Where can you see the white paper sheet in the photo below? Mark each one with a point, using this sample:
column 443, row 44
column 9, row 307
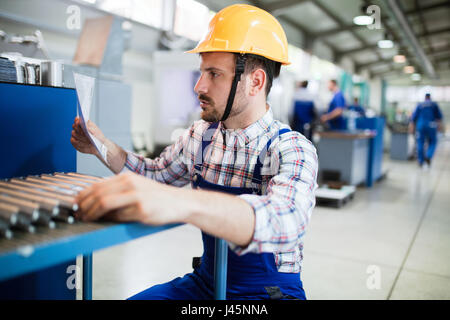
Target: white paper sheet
column 85, row 90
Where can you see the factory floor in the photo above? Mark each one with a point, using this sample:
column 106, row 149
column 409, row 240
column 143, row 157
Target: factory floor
column 390, row 242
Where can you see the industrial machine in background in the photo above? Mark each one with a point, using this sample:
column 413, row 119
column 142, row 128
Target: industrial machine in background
column 99, row 54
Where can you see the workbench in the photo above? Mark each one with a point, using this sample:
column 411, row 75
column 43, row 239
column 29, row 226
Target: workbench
column 345, row 152
column 27, row 253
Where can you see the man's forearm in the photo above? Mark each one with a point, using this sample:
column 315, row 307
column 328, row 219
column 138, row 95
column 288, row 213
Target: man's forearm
column 116, row 156
column 221, row 215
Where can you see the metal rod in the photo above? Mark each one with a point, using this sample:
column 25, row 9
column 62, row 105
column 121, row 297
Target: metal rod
column 64, row 201
column 76, row 178
column 47, row 204
column 43, row 187
column 8, row 213
column 59, row 184
column 84, row 176
column 87, row 276
column 26, row 207
column 220, row 269
column 69, row 182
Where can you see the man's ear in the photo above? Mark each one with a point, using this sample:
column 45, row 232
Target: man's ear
column 257, row 81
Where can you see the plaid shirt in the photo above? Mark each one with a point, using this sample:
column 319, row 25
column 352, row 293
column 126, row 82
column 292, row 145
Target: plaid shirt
column 289, row 174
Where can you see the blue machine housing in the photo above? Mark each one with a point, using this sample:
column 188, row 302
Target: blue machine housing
column 35, row 129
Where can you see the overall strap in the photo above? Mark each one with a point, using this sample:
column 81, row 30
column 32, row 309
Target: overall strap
column 206, row 140
column 259, row 162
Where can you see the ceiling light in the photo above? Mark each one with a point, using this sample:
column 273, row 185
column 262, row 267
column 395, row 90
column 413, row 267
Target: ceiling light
column 362, row 20
column 416, row 77
column 408, row 69
column 385, row 44
column 399, row 58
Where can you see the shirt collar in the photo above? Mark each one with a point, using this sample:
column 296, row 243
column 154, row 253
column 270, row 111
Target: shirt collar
column 256, row 129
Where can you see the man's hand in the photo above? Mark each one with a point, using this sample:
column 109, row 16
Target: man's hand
column 131, row 197
column 116, row 155
column 324, row 118
column 411, row 128
column 79, row 139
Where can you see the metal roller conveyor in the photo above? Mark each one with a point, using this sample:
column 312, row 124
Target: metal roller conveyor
column 29, row 211
column 60, row 183
column 73, row 178
column 49, row 205
column 4, row 230
column 66, row 202
column 70, row 182
column 84, row 176
column 9, row 214
column 43, row 187
column 8, row 218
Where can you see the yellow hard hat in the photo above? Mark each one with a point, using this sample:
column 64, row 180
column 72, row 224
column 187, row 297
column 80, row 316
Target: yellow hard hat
column 244, row 29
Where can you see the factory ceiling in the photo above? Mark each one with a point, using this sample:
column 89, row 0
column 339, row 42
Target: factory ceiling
column 419, row 29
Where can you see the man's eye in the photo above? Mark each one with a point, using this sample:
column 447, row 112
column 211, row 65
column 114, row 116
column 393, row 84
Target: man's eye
column 214, row 75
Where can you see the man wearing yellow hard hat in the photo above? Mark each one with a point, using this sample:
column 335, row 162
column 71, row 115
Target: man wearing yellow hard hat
column 253, row 179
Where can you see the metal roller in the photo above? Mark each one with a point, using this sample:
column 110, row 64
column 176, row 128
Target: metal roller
column 47, row 204
column 72, row 178
column 44, row 187
column 62, row 184
column 66, row 202
column 85, row 176
column 9, row 214
column 29, row 212
column 70, row 182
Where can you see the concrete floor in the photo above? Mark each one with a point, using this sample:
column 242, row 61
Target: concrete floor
column 391, row 242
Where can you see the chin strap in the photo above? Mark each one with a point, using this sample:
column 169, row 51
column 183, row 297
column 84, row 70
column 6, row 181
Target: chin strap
column 240, row 67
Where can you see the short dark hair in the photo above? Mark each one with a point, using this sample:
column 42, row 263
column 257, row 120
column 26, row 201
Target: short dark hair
column 270, row 67
column 304, row 84
column 334, row 81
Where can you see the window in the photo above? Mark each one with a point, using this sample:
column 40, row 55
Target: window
column 192, row 19
column 149, row 12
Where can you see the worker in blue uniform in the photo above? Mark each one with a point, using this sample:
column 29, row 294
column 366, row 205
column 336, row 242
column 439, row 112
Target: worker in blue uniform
column 356, row 107
column 253, row 179
column 425, row 123
column 334, row 117
column 303, row 112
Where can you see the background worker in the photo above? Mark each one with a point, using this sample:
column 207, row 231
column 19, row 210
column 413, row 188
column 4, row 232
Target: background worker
column 303, row 112
column 334, row 117
column 425, row 123
column 253, row 178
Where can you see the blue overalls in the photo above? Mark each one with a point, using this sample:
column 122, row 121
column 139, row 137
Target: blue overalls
column 425, row 117
column 250, row 276
column 303, row 117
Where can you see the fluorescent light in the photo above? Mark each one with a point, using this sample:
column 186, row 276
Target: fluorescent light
column 362, row 20
column 408, row 69
column 415, row 77
column 399, row 58
column 385, row 44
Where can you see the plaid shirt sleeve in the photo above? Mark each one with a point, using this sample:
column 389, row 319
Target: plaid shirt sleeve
column 170, row 167
column 283, row 212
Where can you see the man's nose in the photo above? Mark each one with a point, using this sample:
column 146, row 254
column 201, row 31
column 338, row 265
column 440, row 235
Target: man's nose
column 201, row 86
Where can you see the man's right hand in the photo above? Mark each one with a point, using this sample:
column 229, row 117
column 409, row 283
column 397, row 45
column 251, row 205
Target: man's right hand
column 79, row 139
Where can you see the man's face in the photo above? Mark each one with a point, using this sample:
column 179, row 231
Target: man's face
column 331, row 85
column 214, row 84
